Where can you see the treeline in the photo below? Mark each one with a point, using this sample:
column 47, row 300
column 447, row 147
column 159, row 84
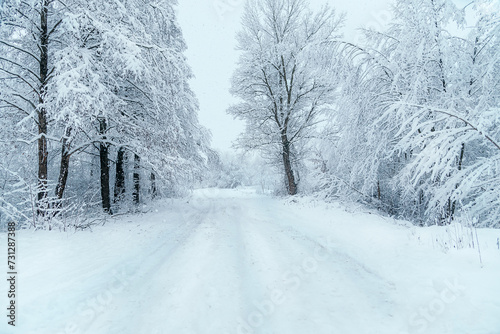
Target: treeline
column 96, row 108
column 407, row 121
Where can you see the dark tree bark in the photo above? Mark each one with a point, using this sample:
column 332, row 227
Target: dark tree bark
column 290, row 178
column 137, row 179
column 42, row 112
column 153, row 185
column 460, row 162
column 64, row 167
column 120, row 176
column 104, row 164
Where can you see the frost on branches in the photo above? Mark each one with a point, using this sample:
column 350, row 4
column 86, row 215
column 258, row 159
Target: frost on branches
column 284, row 94
column 96, row 97
column 417, row 132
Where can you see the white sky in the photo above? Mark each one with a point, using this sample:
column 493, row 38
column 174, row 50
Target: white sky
column 209, row 28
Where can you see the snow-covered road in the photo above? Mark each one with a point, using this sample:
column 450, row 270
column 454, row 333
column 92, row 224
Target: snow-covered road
column 232, row 261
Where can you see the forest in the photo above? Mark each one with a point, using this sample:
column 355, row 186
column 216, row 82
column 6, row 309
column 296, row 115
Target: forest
column 98, row 117
column 361, row 196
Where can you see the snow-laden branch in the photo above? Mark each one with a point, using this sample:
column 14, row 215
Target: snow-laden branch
column 448, row 113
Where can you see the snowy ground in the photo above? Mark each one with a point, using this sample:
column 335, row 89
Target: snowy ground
column 233, row 261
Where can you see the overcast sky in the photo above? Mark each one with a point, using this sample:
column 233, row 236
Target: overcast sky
column 209, row 28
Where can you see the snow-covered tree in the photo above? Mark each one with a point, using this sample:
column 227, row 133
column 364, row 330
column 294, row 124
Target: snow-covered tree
column 134, row 59
column 421, row 110
column 29, row 35
column 116, row 83
column 283, row 93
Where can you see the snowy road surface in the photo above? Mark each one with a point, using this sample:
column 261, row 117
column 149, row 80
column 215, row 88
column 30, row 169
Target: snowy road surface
column 232, row 261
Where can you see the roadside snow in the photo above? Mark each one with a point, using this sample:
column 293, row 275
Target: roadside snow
column 233, row 261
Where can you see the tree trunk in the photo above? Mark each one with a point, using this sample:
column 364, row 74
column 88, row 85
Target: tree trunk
column 137, row 179
column 104, row 163
column 290, row 178
column 120, row 176
column 379, row 193
column 42, row 156
column 64, row 167
column 42, row 112
column 460, row 162
column 153, row 185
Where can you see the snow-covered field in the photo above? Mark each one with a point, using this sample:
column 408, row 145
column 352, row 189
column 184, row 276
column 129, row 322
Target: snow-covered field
column 234, row 261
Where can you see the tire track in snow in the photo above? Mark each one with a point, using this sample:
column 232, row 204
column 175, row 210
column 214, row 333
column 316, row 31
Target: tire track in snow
column 295, row 271
column 138, row 272
column 235, row 267
column 192, row 290
column 89, row 291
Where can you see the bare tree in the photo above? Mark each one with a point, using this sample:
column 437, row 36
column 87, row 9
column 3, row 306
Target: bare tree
column 282, row 78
